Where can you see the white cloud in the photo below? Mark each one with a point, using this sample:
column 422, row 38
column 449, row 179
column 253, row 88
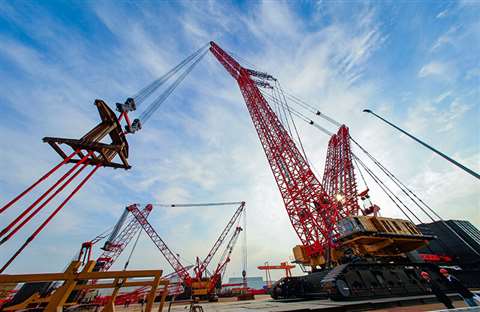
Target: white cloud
column 435, row 68
column 442, row 14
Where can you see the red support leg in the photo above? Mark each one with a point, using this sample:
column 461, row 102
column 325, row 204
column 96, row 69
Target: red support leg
column 69, row 172
column 26, row 220
column 42, row 226
column 13, row 201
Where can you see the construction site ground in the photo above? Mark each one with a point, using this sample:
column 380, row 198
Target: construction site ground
column 265, row 303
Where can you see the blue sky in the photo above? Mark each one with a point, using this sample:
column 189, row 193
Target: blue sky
column 414, row 62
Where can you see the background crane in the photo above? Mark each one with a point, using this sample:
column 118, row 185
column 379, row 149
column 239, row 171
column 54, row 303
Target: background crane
column 198, row 284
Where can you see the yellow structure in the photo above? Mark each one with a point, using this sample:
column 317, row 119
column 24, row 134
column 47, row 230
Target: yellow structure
column 71, row 278
column 368, row 236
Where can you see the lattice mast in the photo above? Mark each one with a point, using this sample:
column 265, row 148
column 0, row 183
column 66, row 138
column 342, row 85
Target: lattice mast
column 114, row 248
column 339, row 176
column 202, row 266
column 224, row 259
column 172, row 259
column 311, row 210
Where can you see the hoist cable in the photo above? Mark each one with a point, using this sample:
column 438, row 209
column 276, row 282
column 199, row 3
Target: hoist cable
column 159, row 100
column 102, row 235
column 282, row 110
column 400, row 185
column 276, row 109
column 152, row 87
column 313, row 109
column 386, row 190
column 236, row 56
column 196, row 204
column 361, row 173
column 293, row 121
column 301, row 116
column 244, row 247
column 131, row 252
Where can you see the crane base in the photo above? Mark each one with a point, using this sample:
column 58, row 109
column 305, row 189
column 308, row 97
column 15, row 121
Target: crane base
column 357, row 281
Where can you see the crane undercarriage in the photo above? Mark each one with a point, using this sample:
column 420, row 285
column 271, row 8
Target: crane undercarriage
column 371, row 259
column 356, row 281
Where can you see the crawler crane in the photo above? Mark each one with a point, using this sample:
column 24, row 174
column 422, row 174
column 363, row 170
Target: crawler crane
column 352, row 253
column 198, row 285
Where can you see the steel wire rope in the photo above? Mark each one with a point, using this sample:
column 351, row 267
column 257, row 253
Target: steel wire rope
column 378, row 181
column 390, row 175
column 386, row 190
column 361, row 174
column 395, row 180
column 153, row 86
column 293, row 122
column 313, row 109
column 195, row 204
column 305, row 119
column 160, row 99
column 236, row 56
column 244, row 247
column 131, row 252
column 282, row 109
column 276, row 108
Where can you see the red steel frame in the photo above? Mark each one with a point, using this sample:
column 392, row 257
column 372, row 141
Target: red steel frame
column 162, row 246
column 312, row 212
column 339, row 176
column 109, row 256
column 222, row 264
column 10, row 230
column 202, row 266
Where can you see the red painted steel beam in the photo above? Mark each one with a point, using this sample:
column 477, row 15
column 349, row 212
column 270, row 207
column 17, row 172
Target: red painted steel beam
column 50, row 217
column 45, row 176
column 26, row 220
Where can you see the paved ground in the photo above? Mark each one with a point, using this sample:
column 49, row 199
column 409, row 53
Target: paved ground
column 264, row 303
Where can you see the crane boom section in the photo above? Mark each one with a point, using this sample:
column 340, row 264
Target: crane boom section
column 311, row 212
column 222, row 264
column 162, row 246
column 115, row 247
column 200, row 269
column 339, row 175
